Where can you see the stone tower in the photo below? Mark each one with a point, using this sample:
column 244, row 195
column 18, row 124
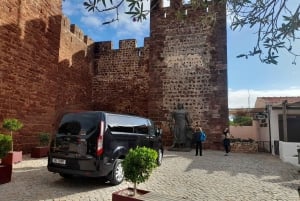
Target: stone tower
column 188, row 65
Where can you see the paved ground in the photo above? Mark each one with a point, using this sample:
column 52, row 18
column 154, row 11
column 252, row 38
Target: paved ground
column 183, row 175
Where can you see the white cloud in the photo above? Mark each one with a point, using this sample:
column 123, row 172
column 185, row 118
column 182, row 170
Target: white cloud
column 127, row 28
column 72, row 8
column 91, row 21
column 243, row 98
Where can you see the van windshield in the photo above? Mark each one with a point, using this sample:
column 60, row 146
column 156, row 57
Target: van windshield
column 78, row 123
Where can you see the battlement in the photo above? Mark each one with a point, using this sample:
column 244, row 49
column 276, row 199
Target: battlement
column 127, row 44
column 66, row 24
column 175, row 4
column 77, row 31
column 169, row 9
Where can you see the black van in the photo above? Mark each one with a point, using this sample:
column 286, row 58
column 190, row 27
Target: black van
column 93, row 143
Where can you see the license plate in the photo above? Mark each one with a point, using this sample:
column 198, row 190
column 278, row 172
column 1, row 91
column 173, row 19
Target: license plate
column 59, row 161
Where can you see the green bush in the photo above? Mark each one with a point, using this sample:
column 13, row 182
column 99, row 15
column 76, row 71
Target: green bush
column 5, row 144
column 241, row 121
column 139, row 164
column 12, row 124
column 44, row 139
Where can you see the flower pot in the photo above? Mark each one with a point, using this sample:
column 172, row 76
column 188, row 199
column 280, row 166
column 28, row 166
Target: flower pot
column 12, row 157
column 127, row 195
column 39, row 152
column 5, row 173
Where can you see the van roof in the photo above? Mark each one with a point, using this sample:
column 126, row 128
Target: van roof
column 104, row 112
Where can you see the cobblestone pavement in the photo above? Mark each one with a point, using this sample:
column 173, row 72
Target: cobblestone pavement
column 210, row 177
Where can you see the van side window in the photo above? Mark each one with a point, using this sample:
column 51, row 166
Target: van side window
column 126, row 124
column 142, row 129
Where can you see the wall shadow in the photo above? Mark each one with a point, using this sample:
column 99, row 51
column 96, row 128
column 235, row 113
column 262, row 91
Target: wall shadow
column 264, row 167
column 34, row 86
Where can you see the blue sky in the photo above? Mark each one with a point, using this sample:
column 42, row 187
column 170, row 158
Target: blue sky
column 247, row 78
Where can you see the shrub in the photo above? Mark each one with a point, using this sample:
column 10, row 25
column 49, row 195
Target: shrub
column 139, row 164
column 12, row 125
column 44, row 139
column 5, row 144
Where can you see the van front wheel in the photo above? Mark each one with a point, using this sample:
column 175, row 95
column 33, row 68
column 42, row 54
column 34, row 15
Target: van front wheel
column 117, row 174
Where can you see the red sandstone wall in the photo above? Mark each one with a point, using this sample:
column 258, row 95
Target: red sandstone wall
column 188, row 65
column 74, row 70
column 121, row 78
column 47, row 68
column 34, row 87
column 29, row 46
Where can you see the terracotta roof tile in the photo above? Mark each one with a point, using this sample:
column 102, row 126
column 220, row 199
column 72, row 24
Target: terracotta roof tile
column 261, row 102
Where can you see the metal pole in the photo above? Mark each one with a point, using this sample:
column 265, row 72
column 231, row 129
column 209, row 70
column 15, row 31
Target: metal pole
column 268, row 107
column 284, row 119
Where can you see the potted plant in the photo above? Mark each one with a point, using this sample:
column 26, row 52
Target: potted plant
column 137, row 166
column 43, row 148
column 5, row 166
column 12, row 124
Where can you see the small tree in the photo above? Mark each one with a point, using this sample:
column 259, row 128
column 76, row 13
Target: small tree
column 139, row 164
column 5, row 145
column 12, row 125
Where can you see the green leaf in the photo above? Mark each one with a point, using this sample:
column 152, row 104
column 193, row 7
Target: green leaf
column 241, row 55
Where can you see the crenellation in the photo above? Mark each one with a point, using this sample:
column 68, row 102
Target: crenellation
column 66, row 22
column 88, row 40
column 184, row 11
column 127, row 44
column 77, row 31
column 175, row 4
column 146, row 42
column 103, row 46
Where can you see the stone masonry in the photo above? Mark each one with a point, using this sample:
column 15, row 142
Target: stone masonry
column 188, row 65
column 48, row 67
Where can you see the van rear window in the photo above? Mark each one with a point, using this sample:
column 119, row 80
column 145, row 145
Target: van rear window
column 75, row 123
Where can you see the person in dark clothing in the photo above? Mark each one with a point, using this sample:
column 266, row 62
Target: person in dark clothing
column 200, row 136
column 226, row 141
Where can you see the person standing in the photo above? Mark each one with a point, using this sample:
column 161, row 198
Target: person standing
column 200, row 137
column 226, row 141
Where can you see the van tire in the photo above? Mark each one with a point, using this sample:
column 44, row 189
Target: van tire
column 117, row 175
column 159, row 157
column 66, row 176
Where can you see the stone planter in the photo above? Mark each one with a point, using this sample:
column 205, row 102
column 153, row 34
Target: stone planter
column 13, row 157
column 39, row 152
column 6, row 168
column 5, row 173
column 126, row 195
column 244, row 147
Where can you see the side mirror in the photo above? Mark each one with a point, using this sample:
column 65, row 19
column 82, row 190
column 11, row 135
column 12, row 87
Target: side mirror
column 158, row 132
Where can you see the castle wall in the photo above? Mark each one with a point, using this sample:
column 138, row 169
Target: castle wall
column 34, row 86
column 49, row 67
column 121, row 78
column 74, row 73
column 188, row 65
column 29, row 47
